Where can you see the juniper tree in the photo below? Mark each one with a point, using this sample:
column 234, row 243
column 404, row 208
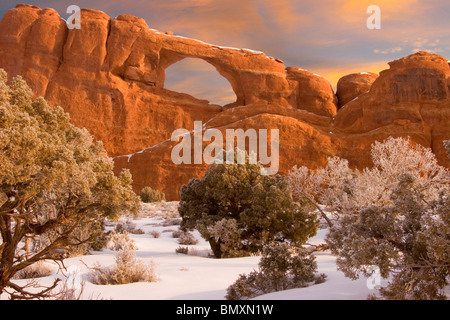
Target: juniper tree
column 409, row 240
column 238, row 210
column 394, row 215
column 54, row 180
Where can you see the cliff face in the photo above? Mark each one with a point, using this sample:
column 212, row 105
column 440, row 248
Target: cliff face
column 109, row 75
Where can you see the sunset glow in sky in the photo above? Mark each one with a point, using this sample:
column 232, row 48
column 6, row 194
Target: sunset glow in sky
column 325, row 37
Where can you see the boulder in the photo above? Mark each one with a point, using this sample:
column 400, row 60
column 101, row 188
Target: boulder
column 353, row 85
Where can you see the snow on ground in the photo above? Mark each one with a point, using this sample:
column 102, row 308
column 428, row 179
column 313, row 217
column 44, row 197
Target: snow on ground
column 196, row 276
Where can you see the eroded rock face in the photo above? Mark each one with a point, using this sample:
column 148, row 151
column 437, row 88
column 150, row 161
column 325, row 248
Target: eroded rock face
column 109, row 76
column 313, row 92
column 351, row 86
column 411, row 98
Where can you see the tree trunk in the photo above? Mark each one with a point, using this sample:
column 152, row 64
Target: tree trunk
column 215, row 247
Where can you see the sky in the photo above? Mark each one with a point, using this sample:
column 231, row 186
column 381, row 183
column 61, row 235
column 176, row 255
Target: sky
column 327, row 37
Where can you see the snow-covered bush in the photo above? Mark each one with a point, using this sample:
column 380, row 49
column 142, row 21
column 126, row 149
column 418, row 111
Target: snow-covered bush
column 127, row 269
column 347, row 190
column 120, row 241
column 281, row 267
column 171, row 222
column 187, row 238
column 155, row 233
column 182, row 250
column 36, row 270
column 394, row 215
column 408, row 240
column 177, row 233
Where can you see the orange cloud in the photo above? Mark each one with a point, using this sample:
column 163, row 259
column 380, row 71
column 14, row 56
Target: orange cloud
column 355, row 10
column 333, row 74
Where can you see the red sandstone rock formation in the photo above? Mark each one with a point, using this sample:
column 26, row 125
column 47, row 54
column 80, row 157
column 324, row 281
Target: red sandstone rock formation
column 109, row 76
column 351, row 86
column 313, row 93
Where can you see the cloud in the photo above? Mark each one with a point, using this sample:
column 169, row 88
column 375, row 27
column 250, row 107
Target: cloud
column 333, row 74
column 390, row 50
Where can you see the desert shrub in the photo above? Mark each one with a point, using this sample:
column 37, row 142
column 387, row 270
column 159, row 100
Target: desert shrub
column 37, row 270
column 74, row 291
column 346, row 190
column 182, row 250
column 120, row 241
column 177, row 233
column 155, row 233
column 187, row 238
column 171, row 222
column 127, row 269
column 125, row 227
column 129, row 227
column 137, row 231
column 281, row 267
column 149, row 194
column 394, row 215
column 261, row 206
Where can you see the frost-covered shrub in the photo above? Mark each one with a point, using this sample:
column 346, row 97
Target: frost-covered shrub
column 171, row 222
column 346, row 190
column 155, row 233
column 395, row 216
column 408, row 240
column 177, row 233
column 281, row 267
column 187, row 238
column 149, row 194
column 182, row 250
column 36, row 270
column 127, row 269
column 129, row 226
column 100, row 241
column 120, row 241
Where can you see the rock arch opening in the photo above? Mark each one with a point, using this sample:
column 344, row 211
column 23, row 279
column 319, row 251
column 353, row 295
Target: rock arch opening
column 199, row 79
